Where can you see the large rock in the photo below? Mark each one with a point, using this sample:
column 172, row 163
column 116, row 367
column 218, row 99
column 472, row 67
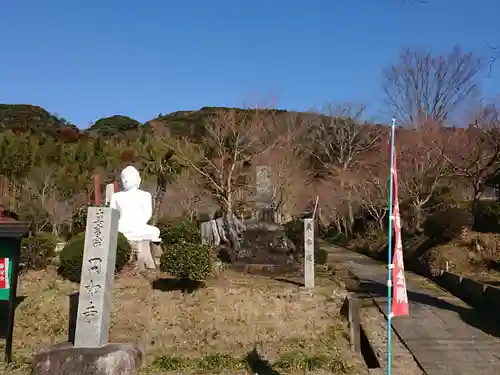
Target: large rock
column 110, row 359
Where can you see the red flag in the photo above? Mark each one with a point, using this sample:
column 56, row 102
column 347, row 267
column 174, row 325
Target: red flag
column 399, row 296
column 4, row 273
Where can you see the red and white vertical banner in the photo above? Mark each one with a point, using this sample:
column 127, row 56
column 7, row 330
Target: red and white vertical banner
column 399, row 294
column 4, row 273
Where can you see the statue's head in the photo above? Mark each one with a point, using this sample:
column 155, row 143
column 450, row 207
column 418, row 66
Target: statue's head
column 131, row 178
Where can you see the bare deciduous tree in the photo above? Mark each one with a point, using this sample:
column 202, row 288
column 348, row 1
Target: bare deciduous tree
column 426, row 87
column 231, row 141
column 185, row 196
column 333, row 207
column 475, row 151
column 371, row 191
column 339, row 143
column 289, row 174
column 44, row 202
column 421, row 167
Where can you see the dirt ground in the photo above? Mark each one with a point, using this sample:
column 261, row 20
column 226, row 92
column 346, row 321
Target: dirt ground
column 232, row 324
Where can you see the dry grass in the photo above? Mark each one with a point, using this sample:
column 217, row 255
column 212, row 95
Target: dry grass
column 473, row 254
column 212, row 329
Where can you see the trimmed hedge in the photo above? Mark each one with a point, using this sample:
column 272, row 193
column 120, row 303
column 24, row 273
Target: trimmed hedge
column 71, row 256
column 174, row 231
column 446, row 225
column 188, row 261
column 37, row 251
column 487, row 217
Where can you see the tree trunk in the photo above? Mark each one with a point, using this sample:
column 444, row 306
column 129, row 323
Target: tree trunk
column 351, row 214
column 350, row 218
column 161, row 188
column 337, row 224
column 475, row 201
column 381, row 223
column 345, row 226
column 418, row 217
column 228, row 203
column 55, row 231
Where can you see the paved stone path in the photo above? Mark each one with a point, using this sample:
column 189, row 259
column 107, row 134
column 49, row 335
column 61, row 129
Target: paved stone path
column 445, row 335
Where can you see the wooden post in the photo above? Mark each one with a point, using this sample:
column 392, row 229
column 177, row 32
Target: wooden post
column 97, row 190
column 351, row 311
column 117, row 188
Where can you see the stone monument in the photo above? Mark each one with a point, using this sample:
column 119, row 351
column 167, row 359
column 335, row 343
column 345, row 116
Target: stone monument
column 264, row 193
column 136, row 208
column 309, row 253
column 98, row 268
column 92, row 354
column 264, row 247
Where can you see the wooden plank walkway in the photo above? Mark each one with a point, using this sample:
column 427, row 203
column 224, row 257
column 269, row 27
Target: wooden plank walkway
column 445, row 335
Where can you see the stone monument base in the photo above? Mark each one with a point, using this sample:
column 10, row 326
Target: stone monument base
column 144, row 258
column 110, row 359
column 265, row 250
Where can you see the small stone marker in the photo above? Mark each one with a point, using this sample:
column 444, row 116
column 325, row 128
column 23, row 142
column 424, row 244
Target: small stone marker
column 207, row 232
column 98, row 268
column 309, row 253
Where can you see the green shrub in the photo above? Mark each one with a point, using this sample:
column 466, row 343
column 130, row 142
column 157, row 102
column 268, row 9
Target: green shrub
column 123, row 253
column 339, row 239
column 37, row 251
column 71, row 256
column 191, row 261
column 174, row 231
column 487, row 217
column 320, row 255
column 372, row 243
column 446, row 225
column 294, row 231
column 79, row 220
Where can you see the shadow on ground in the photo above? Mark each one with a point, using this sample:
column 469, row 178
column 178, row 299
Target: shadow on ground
column 4, row 310
column 283, row 280
column 478, row 319
column 258, row 365
column 183, row 285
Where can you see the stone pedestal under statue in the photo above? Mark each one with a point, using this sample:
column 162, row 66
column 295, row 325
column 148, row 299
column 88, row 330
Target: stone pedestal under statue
column 145, row 258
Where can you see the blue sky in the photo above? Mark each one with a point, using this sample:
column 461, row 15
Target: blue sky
column 89, row 59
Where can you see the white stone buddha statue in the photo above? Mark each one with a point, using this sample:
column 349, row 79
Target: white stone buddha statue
column 135, row 207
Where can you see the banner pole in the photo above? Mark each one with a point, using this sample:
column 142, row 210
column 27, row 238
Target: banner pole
column 389, row 248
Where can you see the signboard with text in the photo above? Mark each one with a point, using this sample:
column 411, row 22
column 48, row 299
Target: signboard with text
column 11, row 233
column 5, row 275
